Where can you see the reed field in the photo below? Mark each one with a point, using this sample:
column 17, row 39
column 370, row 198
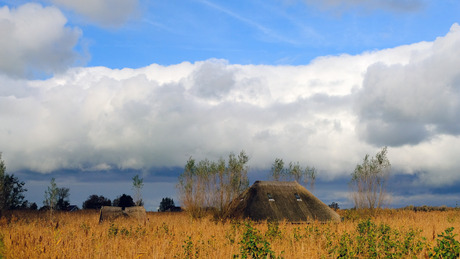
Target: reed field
column 383, row 234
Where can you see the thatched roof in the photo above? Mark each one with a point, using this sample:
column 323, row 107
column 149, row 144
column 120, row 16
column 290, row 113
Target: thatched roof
column 110, row 213
column 280, row 201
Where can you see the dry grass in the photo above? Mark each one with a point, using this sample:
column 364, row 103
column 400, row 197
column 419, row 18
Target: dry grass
column 176, row 235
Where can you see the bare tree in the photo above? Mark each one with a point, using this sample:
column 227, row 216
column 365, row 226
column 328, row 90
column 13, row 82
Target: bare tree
column 310, row 177
column 369, row 181
column 186, row 184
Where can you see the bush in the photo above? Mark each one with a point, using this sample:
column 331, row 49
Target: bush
column 254, row 245
column 447, row 246
column 373, row 241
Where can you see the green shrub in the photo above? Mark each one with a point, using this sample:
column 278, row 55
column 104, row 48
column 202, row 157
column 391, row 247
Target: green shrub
column 447, row 246
column 378, row 241
column 188, row 248
column 254, row 245
column 2, row 246
column 273, row 230
column 113, row 230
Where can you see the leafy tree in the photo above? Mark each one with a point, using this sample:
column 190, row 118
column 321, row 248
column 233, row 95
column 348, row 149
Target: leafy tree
column 277, row 169
column 138, row 183
column 63, row 198
column 56, row 198
column 295, row 171
column 11, row 190
column 51, row 196
column 124, row 201
column 33, row 206
column 238, row 170
column 12, row 194
column 369, row 180
column 96, row 202
column 334, row 206
column 165, row 204
column 206, row 184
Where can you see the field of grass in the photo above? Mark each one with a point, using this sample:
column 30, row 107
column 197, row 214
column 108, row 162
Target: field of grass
column 395, row 233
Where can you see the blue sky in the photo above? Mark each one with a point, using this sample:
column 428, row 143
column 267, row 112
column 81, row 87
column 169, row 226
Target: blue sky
column 261, row 32
column 93, row 92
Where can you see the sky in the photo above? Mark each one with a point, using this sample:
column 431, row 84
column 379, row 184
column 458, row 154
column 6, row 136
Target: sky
column 93, row 92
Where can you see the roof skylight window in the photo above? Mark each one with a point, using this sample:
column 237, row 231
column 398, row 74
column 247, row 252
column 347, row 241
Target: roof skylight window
column 297, row 196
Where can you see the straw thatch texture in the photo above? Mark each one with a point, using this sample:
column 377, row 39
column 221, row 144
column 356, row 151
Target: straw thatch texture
column 110, row 213
column 289, row 201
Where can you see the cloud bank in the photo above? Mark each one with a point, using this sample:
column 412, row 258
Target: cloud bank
column 412, row 103
column 326, row 114
column 35, row 40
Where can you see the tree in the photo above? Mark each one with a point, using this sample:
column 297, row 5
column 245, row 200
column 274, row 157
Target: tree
column 63, row 198
column 207, row 184
column 11, row 190
column 238, row 172
column 12, row 195
column 96, row 202
column 165, row 204
column 295, row 171
column 138, row 183
column 123, row 201
column 369, row 180
column 310, row 177
column 33, row 206
column 56, row 198
column 277, row 169
column 2, row 184
column 51, row 196
column 334, row 206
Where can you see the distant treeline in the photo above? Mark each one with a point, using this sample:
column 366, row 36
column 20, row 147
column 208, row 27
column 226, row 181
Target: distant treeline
column 429, row 208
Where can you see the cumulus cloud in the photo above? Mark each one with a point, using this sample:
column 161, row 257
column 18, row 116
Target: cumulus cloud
column 103, row 12
column 411, row 103
column 327, row 114
column 35, row 40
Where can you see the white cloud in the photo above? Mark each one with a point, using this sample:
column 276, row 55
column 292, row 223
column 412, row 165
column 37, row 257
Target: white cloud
column 411, row 103
column 327, row 114
column 391, row 5
column 35, row 40
column 103, row 12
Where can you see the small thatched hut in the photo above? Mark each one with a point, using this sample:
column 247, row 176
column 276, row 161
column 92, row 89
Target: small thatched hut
column 288, row 201
column 110, row 213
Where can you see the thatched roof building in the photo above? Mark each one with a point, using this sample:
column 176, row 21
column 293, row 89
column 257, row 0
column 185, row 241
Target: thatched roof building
column 280, row 201
column 110, row 213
